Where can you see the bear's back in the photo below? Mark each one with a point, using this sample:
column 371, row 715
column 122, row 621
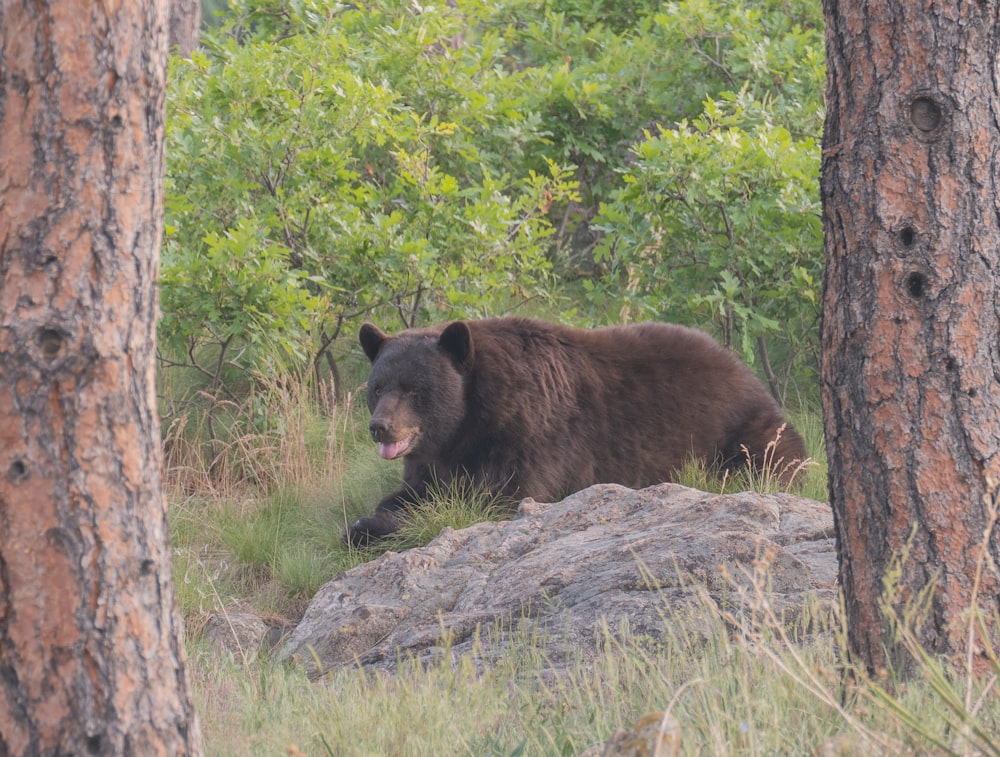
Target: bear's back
column 620, row 404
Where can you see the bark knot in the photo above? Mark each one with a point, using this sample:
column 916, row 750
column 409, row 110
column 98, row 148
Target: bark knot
column 930, row 114
column 50, row 341
column 925, row 114
column 17, row 472
column 916, row 284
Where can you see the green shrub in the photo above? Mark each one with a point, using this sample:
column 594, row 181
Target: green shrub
column 329, row 162
column 333, row 162
column 718, row 223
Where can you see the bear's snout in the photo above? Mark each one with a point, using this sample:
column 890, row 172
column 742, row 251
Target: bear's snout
column 378, row 428
column 393, row 440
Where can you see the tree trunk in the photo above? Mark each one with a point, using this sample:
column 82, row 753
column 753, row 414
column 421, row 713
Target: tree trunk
column 911, row 359
column 90, row 656
column 185, row 25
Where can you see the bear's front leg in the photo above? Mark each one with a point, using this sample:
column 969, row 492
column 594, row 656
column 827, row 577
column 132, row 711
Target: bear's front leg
column 383, row 522
column 370, row 529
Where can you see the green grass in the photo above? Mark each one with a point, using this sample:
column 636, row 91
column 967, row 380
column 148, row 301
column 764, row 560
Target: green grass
column 264, row 523
column 807, row 477
column 459, row 505
column 756, row 694
column 272, row 538
column 457, row 708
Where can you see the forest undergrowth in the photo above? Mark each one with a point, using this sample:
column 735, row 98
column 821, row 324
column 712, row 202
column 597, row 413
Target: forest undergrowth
column 256, row 522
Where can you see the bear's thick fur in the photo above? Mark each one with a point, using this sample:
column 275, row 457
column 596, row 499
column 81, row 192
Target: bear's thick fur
column 535, row 409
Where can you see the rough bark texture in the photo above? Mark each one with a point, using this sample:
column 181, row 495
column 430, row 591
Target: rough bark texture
column 911, row 313
column 90, row 657
column 185, row 24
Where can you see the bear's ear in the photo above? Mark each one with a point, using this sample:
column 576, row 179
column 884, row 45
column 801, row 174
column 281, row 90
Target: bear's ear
column 456, row 340
column 372, row 338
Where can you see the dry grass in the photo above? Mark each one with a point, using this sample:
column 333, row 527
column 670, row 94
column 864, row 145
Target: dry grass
column 257, row 519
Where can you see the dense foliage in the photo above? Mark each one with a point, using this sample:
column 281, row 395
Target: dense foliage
column 718, row 221
column 615, row 159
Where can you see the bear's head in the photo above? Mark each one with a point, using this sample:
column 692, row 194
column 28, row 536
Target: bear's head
column 416, row 388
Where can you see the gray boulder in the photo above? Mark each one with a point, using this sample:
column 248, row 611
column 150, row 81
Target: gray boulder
column 607, row 557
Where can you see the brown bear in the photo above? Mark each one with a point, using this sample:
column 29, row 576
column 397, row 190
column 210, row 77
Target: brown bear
column 534, row 409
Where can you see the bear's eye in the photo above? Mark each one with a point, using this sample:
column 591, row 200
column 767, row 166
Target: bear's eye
column 407, row 390
column 377, row 391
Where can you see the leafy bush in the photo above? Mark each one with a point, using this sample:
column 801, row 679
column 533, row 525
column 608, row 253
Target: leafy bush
column 411, row 162
column 716, row 219
column 719, row 222
column 333, row 162
column 605, row 71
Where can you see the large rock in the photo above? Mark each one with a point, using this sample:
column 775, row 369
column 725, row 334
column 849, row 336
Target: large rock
column 606, row 557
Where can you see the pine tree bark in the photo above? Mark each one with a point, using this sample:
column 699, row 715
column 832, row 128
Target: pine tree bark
column 911, row 359
column 90, row 656
column 185, row 25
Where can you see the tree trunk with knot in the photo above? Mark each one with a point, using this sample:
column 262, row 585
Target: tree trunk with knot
column 91, row 660
column 911, row 359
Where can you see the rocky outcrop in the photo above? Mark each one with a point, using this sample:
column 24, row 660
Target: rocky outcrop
column 605, row 558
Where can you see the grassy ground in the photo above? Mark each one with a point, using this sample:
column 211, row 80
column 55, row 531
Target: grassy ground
column 259, row 518
column 728, row 699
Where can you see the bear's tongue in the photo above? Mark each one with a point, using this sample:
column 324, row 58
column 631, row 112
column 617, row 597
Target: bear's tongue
column 394, row 449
